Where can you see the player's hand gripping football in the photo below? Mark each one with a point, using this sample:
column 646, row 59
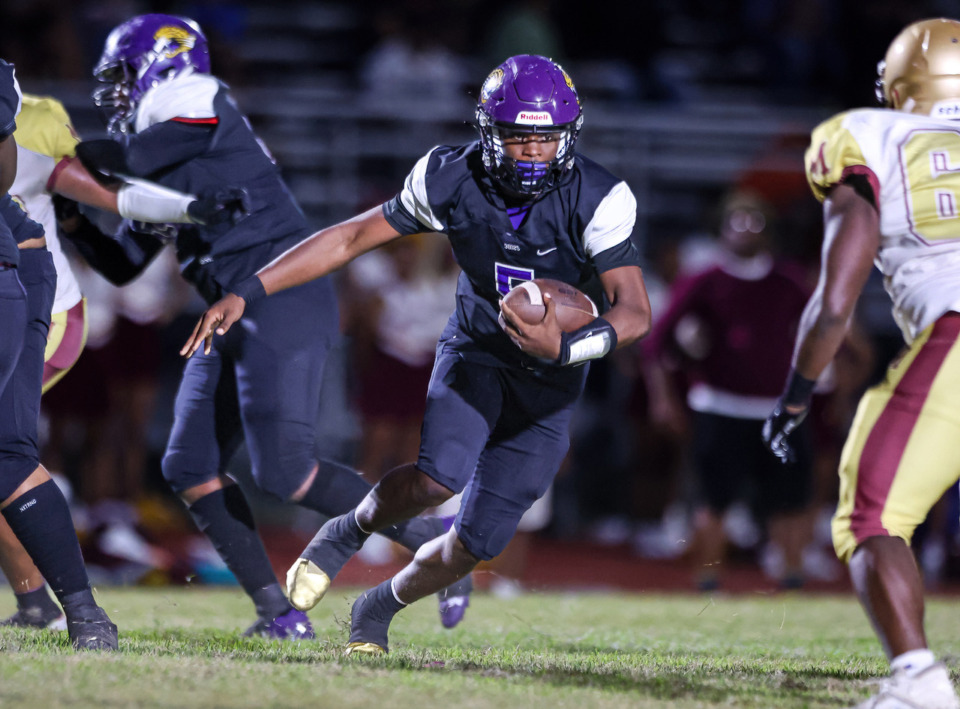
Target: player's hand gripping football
column 216, row 319
column 779, row 425
column 219, row 206
column 541, row 339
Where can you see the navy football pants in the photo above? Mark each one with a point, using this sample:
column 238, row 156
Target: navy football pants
column 499, row 434
column 20, row 398
column 260, row 383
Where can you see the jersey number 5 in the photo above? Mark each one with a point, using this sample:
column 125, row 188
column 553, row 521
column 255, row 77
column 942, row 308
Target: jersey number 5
column 510, row 276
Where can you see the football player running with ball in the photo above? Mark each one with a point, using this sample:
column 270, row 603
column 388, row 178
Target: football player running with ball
column 517, row 204
column 890, row 187
column 173, row 122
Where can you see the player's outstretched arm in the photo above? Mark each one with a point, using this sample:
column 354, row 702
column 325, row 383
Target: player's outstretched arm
column 145, row 201
column 327, row 250
column 316, row 256
column 850, row 243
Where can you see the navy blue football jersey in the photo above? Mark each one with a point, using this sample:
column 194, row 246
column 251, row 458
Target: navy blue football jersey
column 10, row 99
column 571, row 234
column 9, row 253
column 190, row 136
column 21, row 226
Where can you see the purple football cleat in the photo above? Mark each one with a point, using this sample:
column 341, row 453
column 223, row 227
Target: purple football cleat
column 292, row 625
column 452, row 610
column 455, row 598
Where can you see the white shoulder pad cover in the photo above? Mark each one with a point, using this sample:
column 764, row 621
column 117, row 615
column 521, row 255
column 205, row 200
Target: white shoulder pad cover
column 188, row 96
column 413, row 196
column 613, row 221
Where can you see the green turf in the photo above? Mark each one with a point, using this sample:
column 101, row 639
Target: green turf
column 182, row 648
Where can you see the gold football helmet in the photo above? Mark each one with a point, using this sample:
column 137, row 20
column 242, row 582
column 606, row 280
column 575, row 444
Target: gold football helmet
column 921, row 67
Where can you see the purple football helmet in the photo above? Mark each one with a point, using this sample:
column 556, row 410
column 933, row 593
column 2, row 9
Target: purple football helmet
column 139, row 54
column 528, row 94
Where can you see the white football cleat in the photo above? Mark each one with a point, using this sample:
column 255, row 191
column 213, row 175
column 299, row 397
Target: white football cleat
column 307, row 584
column 929, row 689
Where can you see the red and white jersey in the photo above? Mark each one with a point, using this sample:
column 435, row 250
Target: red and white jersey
column 912, row 162
column 44, row 137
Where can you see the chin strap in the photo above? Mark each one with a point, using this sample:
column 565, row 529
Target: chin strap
column 592, row 341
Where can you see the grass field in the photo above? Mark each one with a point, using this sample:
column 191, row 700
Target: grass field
column 181, row 648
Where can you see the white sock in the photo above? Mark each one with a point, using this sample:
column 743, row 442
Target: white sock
column 913, row 661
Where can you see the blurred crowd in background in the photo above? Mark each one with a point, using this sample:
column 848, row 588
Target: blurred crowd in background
column 627, row 481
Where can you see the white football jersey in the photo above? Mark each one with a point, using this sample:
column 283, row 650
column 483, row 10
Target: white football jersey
column 913, row 164
column 44, row 137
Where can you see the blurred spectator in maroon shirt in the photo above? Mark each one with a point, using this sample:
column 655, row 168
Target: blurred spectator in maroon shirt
column 722, row 331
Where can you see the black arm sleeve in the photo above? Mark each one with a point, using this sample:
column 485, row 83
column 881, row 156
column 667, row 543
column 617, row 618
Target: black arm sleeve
column 119, row 258
column 165, row 144
column 104, row 159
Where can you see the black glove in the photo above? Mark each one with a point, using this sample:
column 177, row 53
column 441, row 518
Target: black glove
column 778, row 426
column 220, row 206
column 781, row 423
column 64, row 208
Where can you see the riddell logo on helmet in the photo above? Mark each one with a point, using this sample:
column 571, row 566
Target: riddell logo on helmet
column 534, row 118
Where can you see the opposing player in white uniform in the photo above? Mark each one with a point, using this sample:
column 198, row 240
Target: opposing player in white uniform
column 47, row 165
column 890, row 183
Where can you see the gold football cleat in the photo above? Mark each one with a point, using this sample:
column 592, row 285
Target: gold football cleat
column 307, row 584
column 370, row 649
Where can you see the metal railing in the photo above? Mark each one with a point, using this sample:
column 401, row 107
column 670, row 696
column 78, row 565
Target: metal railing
column 342, row 150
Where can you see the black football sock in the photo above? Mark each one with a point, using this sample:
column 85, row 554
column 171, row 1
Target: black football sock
column 372, row 614
column 338, row 488
column 41, row 520
column 338, row 540
column 225, row 517
column 37, row 603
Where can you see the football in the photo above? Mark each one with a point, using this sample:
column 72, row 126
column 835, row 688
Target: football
column 574, row 307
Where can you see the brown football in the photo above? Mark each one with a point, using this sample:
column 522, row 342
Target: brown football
column 574, row 307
